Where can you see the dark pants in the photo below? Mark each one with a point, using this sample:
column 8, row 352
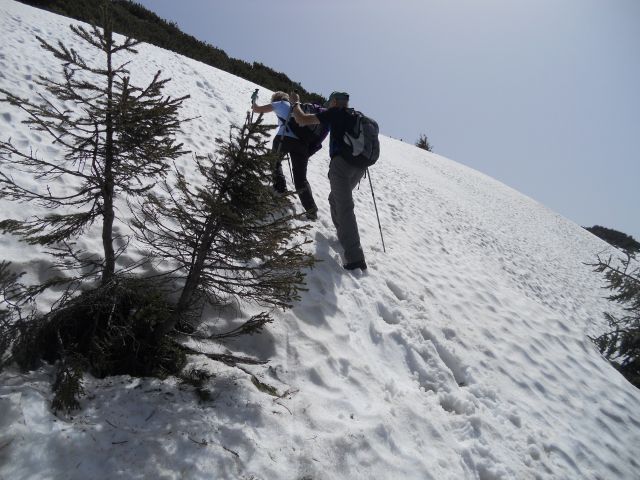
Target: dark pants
column 343, row 178
column 299, row 154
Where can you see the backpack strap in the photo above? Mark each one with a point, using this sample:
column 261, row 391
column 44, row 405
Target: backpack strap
column 285, row 124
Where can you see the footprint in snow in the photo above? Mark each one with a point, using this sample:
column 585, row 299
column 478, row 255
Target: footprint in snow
column 449, row 333
column 391, row 317
column 450, row 359
column 396, row 290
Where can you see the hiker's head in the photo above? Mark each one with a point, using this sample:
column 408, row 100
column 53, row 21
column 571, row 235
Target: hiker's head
column 280, row 96
column 338, row 99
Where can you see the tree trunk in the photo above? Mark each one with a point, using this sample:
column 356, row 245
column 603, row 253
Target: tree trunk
column 193, row 278
column 211, row 229
column 108, row 187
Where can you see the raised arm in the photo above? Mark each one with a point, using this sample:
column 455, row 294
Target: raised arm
column 301, row 117
column 262, row 108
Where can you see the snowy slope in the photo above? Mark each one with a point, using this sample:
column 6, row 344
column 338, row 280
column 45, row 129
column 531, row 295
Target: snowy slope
column 462, row 352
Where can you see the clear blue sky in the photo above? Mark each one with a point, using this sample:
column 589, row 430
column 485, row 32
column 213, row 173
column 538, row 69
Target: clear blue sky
column 543, row 95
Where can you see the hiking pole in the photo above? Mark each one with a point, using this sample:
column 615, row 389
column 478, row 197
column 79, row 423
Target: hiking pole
column 290, row 169
column 284, row 129
column 254, row 97
column 376, row 207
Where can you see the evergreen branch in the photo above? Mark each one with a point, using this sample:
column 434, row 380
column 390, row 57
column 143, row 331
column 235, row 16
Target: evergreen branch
column 226, row 358
column 28, row 163
column 60, row 227
column 254, row 325
column 13, row 191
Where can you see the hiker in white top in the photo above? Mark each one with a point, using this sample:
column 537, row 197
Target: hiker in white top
column 287, row 142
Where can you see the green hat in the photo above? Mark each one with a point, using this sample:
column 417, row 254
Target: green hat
column 338, row 96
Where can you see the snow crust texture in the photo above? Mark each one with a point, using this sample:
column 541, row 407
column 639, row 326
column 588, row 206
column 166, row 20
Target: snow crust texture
column 462, row 353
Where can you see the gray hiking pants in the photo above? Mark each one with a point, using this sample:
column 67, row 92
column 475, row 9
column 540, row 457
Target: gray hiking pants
column 343, row 178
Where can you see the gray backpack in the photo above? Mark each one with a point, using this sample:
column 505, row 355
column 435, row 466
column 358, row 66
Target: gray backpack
column 362, row 143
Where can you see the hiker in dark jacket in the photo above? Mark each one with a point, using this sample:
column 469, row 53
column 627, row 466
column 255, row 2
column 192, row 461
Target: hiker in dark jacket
column 343, row 176
column 287, row 142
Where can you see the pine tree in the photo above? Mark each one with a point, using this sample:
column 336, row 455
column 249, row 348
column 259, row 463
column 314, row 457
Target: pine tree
column 117, row 138
column 621, row 345
column 616, row 238
column 228, row 238
column 423, row 143
column 117, row 142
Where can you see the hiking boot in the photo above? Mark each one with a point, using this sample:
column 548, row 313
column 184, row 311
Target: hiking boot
column 312, row 214
column 361, row 264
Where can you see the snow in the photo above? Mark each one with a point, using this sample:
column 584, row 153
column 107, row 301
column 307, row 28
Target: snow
column 462, row 353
